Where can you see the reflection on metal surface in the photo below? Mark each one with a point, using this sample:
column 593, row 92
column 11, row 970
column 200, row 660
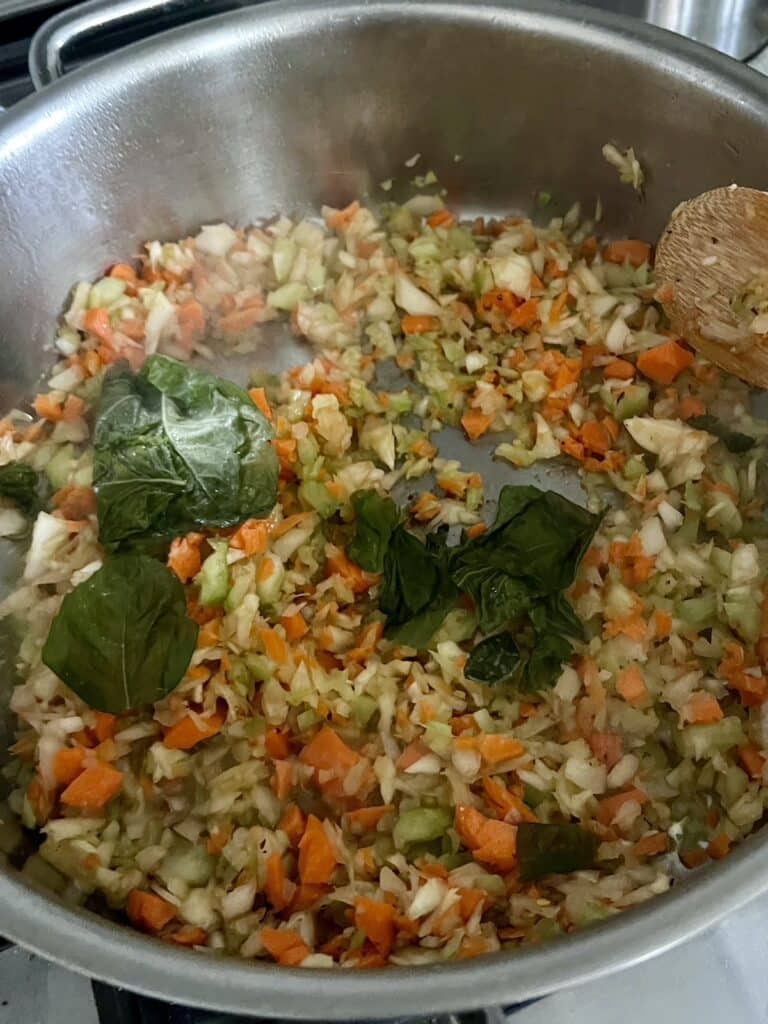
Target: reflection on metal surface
column 736, row 27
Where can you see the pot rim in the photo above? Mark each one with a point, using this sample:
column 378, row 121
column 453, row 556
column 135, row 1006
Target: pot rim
column 84, row 942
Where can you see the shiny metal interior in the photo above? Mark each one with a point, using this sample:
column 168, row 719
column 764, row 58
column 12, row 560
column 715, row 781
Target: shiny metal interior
column 283, row 107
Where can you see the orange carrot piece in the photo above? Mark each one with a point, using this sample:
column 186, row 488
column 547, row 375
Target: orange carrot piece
column 690, row 406
column 606, row 746
column 419, row 324
column 663, row 363
column 275, row 647
column 470, row 900
column 285, row 449
column 702, row 709
column 259, row 398
column 184, row 558
column 491, row 842
column 75, row 503
column 96, row 322
column 662, row 622
column 610, row 806
column 595, row 437
column 631, row 686
column 356, row 578
column 295, row 626
column 276, row 743
column 475, row 423
column 524, row 316
column 306, row 896
column 649, row 846
column 148, row 911
column 619, row 369
column 189, row 935
column 753, row 761
column 252, row 537
column 275, row 887
column 67, row 764
column 719, row 847
column 412, row 753
column 627, row 250
column 327, row 751
column 508, row 804
column 317, row 857
column 47, row 409
column 282, row 781
column 93, row 788
column 124, row 272
column 285, row 946
column 441, row 219
column 187, row 732
column 105, row 726
column 365, row 819
column 377, row 920
column 240, row 319
column 293, row 823
column 495, row 749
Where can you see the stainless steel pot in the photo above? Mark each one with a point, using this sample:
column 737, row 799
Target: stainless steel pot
column 285, row 106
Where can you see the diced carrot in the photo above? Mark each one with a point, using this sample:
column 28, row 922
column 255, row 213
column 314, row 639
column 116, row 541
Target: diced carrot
column 558, row 307
column 441, row 219
column 338, row 219
column 327, row 751
column 285, row 946
column 189, row 935
column 184, row 558
column 47, row 409
column 419, row 324
column 93, row 788
column 293, row 823
column 663, row 363
column 594, row 436
column 75, row 503
column 40, row 799
column 96, row 322
column 631, row 686
column 283, row 779
column 719, row 847
column 491, row 842
column 188, row 731
column 475, row 423
column 259, row 398
column 105, row 726
column 606, row 746
column 690, row 406
column 495, row 749
column 662, row 622
column 610, row 806
column 377, row 920
column 306, row 896
column 508, row 804
column 295, row 626
column 619, row 369
column 470, row 900
column 702, row 709
column 524, row 316
column 67, row 764
column 356, row 578
column 279, row 891
column 476, row 529
column 285, row 449
column 650, row 845
column 240, row 319
column 124, row 272
column 365, row 819
column 629, row 250
column 276, row 743
column 317, row 857
column 412, row 753
column 218, row 838
column 148, row 911
column 694, row 858
column 753, row 761
column 275, row 647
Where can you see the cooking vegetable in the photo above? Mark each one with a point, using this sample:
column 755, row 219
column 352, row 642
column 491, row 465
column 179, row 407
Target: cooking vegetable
column 495, row 660
column 375, row 519
column 20, row 483
column 553, row 849
column 177, row 448
column 417, row 592
column 122, row 637
column 733, row 440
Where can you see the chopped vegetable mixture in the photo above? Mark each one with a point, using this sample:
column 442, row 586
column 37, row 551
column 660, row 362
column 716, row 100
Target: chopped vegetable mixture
column 292, row 688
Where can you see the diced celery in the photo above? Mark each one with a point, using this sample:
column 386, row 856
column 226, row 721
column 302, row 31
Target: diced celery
column 269, row 582
column 693, row 497
column 532, row 796
column 240, row 677
column 742, row 610
column 306, row 719
column 732, row 785
column 188, row 862
column 213, row 578
column 700, row 741
column 254, row 727
column 439, row 737
column 634, row 468
column 483, row 279
column 283, row 256
column 401, row 221
column 243, row 577
column 400, row 402
column 689, row 531
column 288, row 296
column 634, row 402
column 307, row 450
column 105, row 292
column 363, row 708
column 60, row 466
column 698, row 612
column 316, row 495
column 421, row 825
column 258, row 666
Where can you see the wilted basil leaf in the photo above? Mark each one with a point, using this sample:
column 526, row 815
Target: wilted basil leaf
column 498, row 596
column 495, row 660
column 733, row 440
column 122, row 637
column 375, row 519
column 176, row 448
column 544, row 662
column 20, row 483
column 417, row 592
column 553, row 849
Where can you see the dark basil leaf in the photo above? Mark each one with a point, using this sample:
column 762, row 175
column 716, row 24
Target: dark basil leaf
column 122, row 637
column 544, row 662
column 20, row 483
column 498, row 596
column 733, row 440
column 495, row 660
column 375, row 519
column 553, row 849
column 555, row 614
column 417, row 592
column 176, row 448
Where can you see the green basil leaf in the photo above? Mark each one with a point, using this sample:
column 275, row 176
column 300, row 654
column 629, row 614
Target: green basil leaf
column 554, row 614
column 498, row 596
column 553, row 849
column 375, row 519
column 545, row 662
column 733, row 440
column 176, row 448
column 122, row 637
column 417, row 591
column 495, row 660
column 20, row 483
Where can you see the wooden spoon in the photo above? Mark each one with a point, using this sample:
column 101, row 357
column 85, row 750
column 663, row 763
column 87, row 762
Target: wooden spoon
column 711, row 249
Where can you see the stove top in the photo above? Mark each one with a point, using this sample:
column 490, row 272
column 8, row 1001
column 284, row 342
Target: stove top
column 717, row 977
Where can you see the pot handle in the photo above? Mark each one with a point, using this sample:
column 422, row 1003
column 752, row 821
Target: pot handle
column 110, row 18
